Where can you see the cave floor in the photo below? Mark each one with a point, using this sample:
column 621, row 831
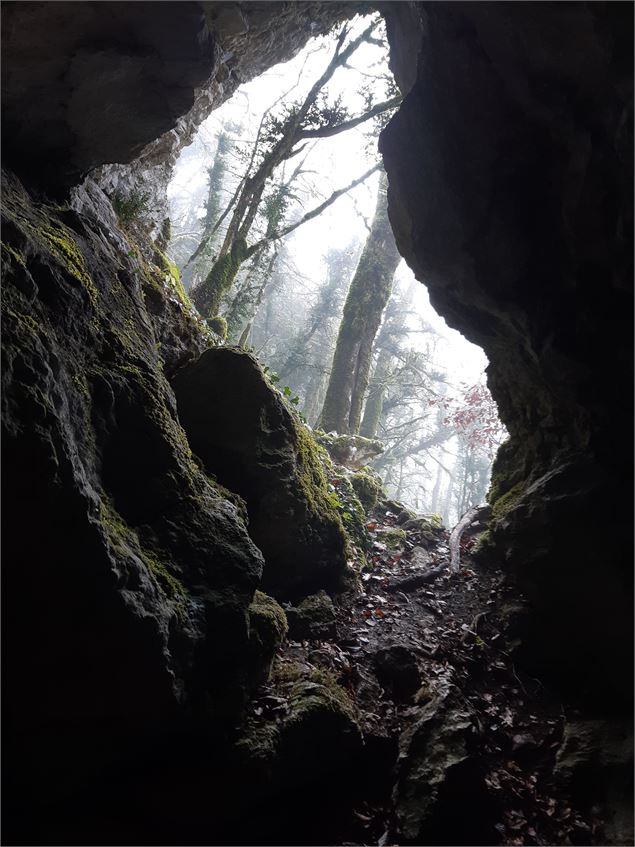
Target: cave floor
column 460, row 630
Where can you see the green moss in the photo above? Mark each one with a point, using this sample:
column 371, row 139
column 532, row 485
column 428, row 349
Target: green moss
column 267, row 630
column 507, row 470
column 394, row 538
column 12, row 254
column 321, row 694
column 368, row 488
column 120, row 535
column 218, row 325
column 312, row 477
column 168, row 267
column 351, row 512
column 287, row 671
column 25, row 322
column 61, row 243
column 507, row 501
column 220, row 279
column 258, row 741
column 81, row 383
column 484, row 543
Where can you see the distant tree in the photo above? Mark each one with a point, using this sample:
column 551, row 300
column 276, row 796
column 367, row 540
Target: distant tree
column 216, row 185
column 284, row 138
column 367, row 298
column 307, row 349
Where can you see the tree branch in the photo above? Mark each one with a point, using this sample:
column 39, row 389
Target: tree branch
column 328, row 131
column 317, row 211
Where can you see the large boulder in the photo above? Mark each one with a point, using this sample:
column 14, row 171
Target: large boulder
column 241, row 429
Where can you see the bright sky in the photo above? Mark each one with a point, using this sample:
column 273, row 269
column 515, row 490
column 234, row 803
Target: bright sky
column 336, row 162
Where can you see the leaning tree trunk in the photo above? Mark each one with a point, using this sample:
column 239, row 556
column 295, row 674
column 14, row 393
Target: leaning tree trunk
column 367, row 298
column 375, row 400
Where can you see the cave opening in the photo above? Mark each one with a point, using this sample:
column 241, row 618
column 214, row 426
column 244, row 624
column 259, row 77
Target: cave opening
column 221, row 624
column 427, row 400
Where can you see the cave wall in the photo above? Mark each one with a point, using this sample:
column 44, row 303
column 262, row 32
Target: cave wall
column 117, row 89
column 510, row 169
column 510, row 195
column 127, row 571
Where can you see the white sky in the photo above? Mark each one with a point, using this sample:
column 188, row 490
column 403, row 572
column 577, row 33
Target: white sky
column 336, row 161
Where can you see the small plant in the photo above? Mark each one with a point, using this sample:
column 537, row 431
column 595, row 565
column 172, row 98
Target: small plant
column 129, row 208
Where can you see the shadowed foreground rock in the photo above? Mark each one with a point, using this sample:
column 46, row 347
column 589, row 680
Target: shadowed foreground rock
column 245, row 435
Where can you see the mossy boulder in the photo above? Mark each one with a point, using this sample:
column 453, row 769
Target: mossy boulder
column 321, row 734
column 368, row 487
column 394, row 538
column 428, row 529
column 244, row 433
column 267, row 630
column 350, row 451
column 313, row 618
column 349, row 507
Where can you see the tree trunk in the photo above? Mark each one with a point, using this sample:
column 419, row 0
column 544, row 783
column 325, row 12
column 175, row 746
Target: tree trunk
column 436, row 491
column 367, row 298
column 375, row 400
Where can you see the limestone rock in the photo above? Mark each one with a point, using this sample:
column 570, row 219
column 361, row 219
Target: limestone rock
column 434, row 764
column 129, row 574
column 268, row 628
column 244, row 433
column 595, row 761
column 350, row 451
column 314, row 618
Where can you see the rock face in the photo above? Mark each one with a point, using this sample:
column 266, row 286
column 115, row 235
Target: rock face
column 510, row 173
column 250, row 441
column 436, row 772
column 129, row 575
column 160, row 69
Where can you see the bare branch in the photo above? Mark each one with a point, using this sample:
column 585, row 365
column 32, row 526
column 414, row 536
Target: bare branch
column 318, row 209
column 328, row 131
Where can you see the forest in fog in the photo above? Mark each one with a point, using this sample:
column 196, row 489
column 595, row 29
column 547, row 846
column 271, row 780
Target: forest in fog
column 281, row 236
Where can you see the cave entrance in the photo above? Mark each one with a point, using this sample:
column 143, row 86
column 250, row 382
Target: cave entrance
column 237, row 187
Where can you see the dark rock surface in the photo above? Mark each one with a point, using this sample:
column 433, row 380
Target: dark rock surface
column 397, row 668
column 127, row 576
column 247, row 437
column 510, row 171
column 161, row 69
column 313, row 618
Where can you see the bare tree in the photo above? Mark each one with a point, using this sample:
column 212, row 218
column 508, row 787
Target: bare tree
column 286, row 137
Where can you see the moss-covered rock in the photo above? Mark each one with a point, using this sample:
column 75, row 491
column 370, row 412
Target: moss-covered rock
column 320, row 734
column 255, row 445
column 368, row 487
column 267, row 630
column 313, row 618
column 350, row 451
column 394, row 538
column 132, row 547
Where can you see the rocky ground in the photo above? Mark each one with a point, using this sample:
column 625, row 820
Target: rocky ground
column 459, row 745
